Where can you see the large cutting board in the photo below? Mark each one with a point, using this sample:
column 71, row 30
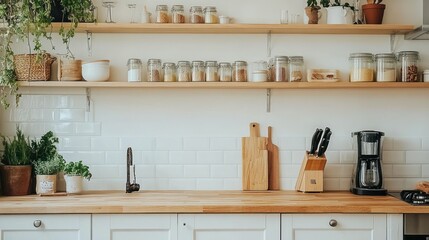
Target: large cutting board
column 255, row 160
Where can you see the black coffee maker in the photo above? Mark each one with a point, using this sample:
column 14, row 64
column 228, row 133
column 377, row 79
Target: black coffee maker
column 368, row 177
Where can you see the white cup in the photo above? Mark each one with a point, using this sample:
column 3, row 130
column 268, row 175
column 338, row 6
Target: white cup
column 224, row 20
column 284, row 17
column 146, row 17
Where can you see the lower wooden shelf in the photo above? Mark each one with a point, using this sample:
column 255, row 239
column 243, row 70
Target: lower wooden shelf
column 223, row 85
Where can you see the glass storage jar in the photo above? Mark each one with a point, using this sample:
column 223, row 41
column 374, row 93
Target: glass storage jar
column 239, row 71
column 196, row 14
column 385, row 67
column 225, row 72
column 361, row 67
column 198, row 71
column 184, row 71
column 408, row 66
column 296, row 69
column 210, row 15
column 162, row 14
column 178, row 14
column 278, row 70
column 211, row 71
column 259, row 71
column 154, row 70
column 169, row 72
column 134, row 70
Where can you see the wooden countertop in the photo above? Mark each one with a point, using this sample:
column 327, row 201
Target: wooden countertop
column 206, row 202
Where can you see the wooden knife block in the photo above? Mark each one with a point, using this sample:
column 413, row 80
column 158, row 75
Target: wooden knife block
column 310, row 178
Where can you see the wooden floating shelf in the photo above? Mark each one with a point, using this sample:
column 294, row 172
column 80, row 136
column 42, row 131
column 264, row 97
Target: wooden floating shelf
column 224, row 85
column 365, row 29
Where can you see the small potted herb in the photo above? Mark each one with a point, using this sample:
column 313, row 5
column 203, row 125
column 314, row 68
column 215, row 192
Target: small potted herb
column 312, row 11
column 373, row 12
column 74, row 173
column 16, row 169
column 338, row 13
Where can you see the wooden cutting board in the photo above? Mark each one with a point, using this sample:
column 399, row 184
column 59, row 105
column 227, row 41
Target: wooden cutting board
column 255, row 160
column 273, row 163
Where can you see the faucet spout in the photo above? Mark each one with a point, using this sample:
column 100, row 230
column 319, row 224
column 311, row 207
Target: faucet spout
column 131, row 187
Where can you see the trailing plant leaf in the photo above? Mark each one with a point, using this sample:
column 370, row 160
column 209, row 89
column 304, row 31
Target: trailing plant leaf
column 77, row 169
column 51, row 166
column 16, row 150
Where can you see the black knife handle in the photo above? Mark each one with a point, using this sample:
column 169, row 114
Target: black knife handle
column 324, row 145
column 313, row 142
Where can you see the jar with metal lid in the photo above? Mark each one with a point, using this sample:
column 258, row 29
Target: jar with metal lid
column 212, row 71
column 154, row 70
column 184, row 71
column 210, row 15
column 409, row 66
column 260, row 71
column 239, row 71
column 225, row 72
column 198, row 71
column 361, row 67
column 426, row 75
column 162, row 14
column 169, row 72
column 385, row 67
column 296, row 69
column 178, row 14
column 278, row 69
column 134, row 70
column 196, row 14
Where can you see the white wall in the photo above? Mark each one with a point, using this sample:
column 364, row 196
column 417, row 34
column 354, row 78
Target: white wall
column 190, row 138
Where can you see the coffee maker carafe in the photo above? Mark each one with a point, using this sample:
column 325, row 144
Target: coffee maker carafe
column 367, row 177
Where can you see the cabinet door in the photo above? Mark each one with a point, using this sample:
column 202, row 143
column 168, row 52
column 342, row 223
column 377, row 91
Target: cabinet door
column 134, row 227
column 334, row 226
column 229, row 226
column 45, row 227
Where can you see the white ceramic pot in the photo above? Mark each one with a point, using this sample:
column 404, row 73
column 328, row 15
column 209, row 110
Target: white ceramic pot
column 96, row 71
column 46, row 184
column 339, row 15
column 73, row 184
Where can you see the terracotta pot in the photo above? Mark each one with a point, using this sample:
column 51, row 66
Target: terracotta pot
column 15, row 180
column 312, row 14
column 46, row 184
column 73, row 184
column 373, row 13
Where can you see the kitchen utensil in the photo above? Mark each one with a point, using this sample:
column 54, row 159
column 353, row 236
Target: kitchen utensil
column 315, row 140
column 327, row 129
column 324, row 144
column 310, row 177
column 273, row 163
column 255, row 160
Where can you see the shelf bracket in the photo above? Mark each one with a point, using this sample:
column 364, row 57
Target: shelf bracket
column 89, row 42
column 392, row 42
column 269, row 44
column 88, row 99
column 268, row 100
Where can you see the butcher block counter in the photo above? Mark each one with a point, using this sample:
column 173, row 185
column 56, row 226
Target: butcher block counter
column 206, row 202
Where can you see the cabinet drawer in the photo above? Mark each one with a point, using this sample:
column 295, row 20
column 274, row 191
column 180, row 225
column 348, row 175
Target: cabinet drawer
column 337, row 221
column 45, row 222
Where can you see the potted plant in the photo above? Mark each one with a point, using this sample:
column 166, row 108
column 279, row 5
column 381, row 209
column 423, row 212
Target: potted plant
column 16, row 171
column 74, row 173
column 337, row 12
column 312, row 12
column 373, row 12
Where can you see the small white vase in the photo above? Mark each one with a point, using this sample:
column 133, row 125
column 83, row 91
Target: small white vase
column 46, row 184
column 73, row 184
column 339, row 15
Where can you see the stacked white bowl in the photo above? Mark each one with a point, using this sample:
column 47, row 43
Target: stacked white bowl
column 96, row 71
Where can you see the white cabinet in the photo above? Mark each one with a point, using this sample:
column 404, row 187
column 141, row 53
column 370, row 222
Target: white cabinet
column 45, row 227
column 341, row 226
column 229, row 226
column 134, row 227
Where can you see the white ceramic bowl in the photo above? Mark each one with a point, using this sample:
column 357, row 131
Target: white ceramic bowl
column 96, row 71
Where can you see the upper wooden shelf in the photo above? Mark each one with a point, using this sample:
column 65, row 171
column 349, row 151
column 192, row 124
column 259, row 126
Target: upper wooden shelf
column 224, row 85
column 241, row 28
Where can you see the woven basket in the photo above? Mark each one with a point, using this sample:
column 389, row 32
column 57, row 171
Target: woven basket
column 28, row 69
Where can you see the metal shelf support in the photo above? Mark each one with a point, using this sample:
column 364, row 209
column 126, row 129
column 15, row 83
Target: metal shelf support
column 268, row 100
column 89, row 42
column 393, row 42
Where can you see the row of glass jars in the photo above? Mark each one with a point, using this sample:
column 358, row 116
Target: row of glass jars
column 388, row 67
column 286, row 69
column 196, row 71
column 196, row 14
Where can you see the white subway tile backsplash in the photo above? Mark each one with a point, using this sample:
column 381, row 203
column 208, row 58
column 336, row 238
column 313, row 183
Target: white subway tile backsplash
column 65, row 101
column 31, row 101
column 72, row 115
column 338, row 170
column 197, row 171
column 407, row 171
column 211, row 157
column 223, row 171
column 50, row 115
column 169, row 144
column 348, row 157
column 388, row 143
column 105, row 143
column 137, row 143
column 298, row 157
column 36, row 115
column 285, row 157
column 292, row 143
column 408, row 144
column 341, row 143
column 425, row 170
column 65, row 128
column 32, row 129
column 8, row 129
column 288, row 183
column 289, row 171
column 330, row 184
column 425, row 143
column 223, row 144
column 183, row 184
column 158, row 157
column 119, row 157
column 411, row 183
column 143, row 171
column 183, row 157
column 20, row 115
column 232, row 184
column 345, row 183
column 88, row 128
column 104, row 171
column 417, row 157
column 169, row 171
column 394, row 184
column 333, row 157
column 104, row 184
column 75, row 143
column 210, row 184
column 232, row 157
column 89, row 158
column 387, row 170
column 196, row 144
column 394, row 157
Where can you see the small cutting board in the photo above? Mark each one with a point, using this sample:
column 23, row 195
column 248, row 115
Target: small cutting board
column 255, row 160
column 273, row 163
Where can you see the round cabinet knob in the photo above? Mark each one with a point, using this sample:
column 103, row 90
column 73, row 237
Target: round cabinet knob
column 333, row 223
column 37, row 223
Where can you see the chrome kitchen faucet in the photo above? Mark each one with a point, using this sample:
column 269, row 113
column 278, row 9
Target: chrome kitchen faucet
column 131, row 187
